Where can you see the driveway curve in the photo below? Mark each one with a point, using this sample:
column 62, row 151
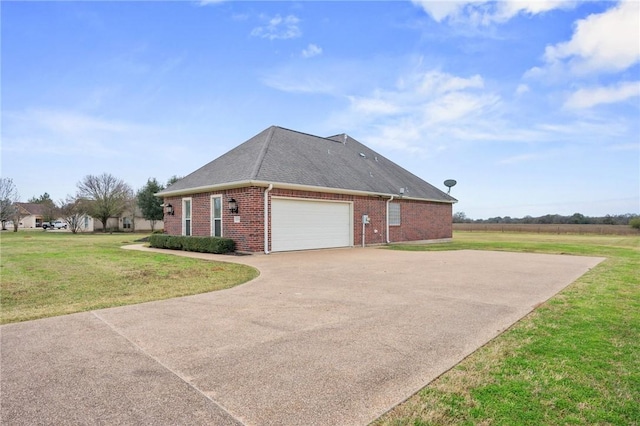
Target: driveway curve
column 320, row 337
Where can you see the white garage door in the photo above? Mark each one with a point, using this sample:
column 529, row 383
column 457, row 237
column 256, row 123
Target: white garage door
column 304, row 224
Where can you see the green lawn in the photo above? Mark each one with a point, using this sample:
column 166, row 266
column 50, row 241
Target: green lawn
column 54, row 273
column 574, row 361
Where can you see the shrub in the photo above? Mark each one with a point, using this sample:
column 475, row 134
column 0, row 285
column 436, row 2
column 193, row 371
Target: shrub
column 635, row 223
column 215, row 245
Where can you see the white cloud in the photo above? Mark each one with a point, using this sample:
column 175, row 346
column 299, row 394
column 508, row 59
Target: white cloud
column 240, row 17
column 587, row 98
column 311, row 51
column 278, row 28
column 522, row 89
column 483, row 12
column 632, row 146
column 440, row 10
column 519, row 159
column 602, row 42
column 372, row 106
column 313, row 78
column 296, row 84
column 511, row 8
column 210, row 2
column 453, row 107
column 435, row 82
column 67, row 132
column 422, row 111
column 436, row 95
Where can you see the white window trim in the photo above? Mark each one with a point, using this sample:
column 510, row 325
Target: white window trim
column 184, row 219
column 212, row 219
column 399, row 223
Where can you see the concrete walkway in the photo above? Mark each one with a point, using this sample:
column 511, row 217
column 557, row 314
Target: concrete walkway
column 321, row 337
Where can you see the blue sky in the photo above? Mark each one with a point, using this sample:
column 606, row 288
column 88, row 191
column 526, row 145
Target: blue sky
column 532, row 106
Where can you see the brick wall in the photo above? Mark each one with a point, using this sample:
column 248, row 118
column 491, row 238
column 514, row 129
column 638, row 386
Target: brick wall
column 422, row 220
column 419, row 220
column 376, row 208
column 172, row 223
column 247, row 230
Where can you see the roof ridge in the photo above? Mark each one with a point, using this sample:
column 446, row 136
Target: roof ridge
column 263, row 152
column 335, row 136
column 304, row 133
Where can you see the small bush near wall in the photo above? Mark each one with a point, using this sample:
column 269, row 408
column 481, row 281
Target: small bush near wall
column 200, row 244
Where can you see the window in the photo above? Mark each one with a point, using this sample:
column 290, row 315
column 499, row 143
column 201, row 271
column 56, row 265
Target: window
column 186, row 216
column 126, row 223
column 86, row 222
column 394, row 214
column 216, row 216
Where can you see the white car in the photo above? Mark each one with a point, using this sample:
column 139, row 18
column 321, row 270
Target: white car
column 58, row 224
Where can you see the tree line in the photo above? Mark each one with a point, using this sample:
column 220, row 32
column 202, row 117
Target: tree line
column 555, row 219
column 98, row 196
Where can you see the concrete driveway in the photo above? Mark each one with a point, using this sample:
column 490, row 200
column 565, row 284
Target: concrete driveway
column 321, row 337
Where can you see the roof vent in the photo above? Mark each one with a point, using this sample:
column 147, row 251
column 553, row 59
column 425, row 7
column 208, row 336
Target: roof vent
column 362, row 155
column 344, row 141
column 401, row 191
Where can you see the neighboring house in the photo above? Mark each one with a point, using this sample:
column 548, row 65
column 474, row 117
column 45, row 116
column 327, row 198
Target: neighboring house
column 128, row 222
column 285, row 190
column 31, row 214
column 87, row 224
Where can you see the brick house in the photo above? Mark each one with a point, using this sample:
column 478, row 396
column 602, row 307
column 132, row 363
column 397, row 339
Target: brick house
column 285, row 190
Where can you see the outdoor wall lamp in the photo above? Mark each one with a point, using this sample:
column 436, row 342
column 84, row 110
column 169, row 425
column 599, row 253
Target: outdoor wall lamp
column 168, row 209
column 233, row 205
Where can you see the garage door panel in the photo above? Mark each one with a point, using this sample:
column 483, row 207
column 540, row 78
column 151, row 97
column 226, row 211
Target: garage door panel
column 304, row 224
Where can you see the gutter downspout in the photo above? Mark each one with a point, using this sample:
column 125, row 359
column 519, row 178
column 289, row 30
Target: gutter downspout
column 388, row 201
column 266, row 218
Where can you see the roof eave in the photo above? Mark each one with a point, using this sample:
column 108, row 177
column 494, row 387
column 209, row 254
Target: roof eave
column 292, row 186
column 206, row 188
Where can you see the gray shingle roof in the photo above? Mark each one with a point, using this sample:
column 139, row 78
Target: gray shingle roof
column 282, row 156
column 35, row 209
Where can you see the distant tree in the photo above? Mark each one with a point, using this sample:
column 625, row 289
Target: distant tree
column 550, row 218
column 18, row 213
column 41, row 199
column 50, row 212
column 635, row 223
column 173, row 179
column 607, row 220
column 459, row 217
column 527, row 219
column 578, row 218
column 9, row 210
column 150, row 205
column 625, row 219
column 106, row 196
column 73, row 210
